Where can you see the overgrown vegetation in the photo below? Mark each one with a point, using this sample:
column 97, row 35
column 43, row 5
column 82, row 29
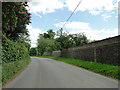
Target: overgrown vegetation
column 13, row 51
column 0, row 75
column 104, row 69
column 10, row 69
column 15, row 39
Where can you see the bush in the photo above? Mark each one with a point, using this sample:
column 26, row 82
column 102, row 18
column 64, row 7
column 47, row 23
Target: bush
column 15, row 56
column 12, row 51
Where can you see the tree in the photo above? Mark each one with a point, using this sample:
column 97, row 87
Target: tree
column 64, row 42
column 41, row 45
column 15, row 17
column 50, row 34
column 33, row 52
column 67, row 40
column 45, row 43
column 79, row 39
column 51, row 46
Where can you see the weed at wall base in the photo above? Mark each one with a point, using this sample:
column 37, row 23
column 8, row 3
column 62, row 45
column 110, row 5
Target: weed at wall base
column 104, row 69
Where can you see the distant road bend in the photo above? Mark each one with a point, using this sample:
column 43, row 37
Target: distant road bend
column 48, row 73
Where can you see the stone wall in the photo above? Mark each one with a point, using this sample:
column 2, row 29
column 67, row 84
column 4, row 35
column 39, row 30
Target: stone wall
column 104, row 51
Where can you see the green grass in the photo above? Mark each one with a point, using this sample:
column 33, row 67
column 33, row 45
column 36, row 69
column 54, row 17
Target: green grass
column 9, row 70
column 104, row 69
column 0, row 75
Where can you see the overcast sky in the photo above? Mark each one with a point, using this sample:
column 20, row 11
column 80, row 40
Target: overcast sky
column 98, row 19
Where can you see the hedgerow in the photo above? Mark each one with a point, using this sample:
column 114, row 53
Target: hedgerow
column 15, row 56
column 12, row 51
column 15, row 42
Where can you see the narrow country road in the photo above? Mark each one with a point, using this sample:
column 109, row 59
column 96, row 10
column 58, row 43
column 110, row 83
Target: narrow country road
column 48, row 73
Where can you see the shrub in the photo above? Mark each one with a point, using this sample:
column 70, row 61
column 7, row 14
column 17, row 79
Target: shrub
column 15, row 57
column 12, row 51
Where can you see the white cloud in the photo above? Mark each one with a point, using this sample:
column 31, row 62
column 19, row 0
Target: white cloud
column 116, row 16
column 80, row 27
column 94, row 12
column 74, row 25
column 45, row 6
column 93, row 6
column 106, row 16
column 34, row 33
column 97, row 34
column 112, row 12
column 37, row 14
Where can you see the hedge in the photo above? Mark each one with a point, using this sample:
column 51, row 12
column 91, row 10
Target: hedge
column 13, row 50
column 15, row 57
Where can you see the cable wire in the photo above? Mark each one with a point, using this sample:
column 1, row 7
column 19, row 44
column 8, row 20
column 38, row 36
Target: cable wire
column 71, row 14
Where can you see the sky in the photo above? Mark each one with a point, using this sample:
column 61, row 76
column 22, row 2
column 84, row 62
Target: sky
column 97, row 19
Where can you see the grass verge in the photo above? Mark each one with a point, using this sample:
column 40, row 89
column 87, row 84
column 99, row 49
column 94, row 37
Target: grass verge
column 9, row 70
column 0, row 75
column 104, row 69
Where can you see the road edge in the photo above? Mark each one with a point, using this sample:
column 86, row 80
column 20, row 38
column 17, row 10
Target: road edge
column 16, row 75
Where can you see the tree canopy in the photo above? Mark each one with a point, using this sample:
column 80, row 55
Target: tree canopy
column 15, row 17
column 48, row 43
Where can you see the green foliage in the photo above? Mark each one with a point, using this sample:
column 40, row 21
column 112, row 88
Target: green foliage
column 64, row 42
column 46, row 42
column 104, row 69
column 79, row 39
column 0, row 51
column 92, row 41
column 15, row 17
column 33, row 52
column 41, row 45
column 12, row 68
column 12, row 51
column 0, row 75
column 50, row 34
column 45, row 45
column 71, row 40
column 50, row 45
column 15, row 38
column 15, row 57
column 25, row 40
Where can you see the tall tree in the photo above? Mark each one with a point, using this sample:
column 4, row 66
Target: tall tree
column 45, row 43
column 41, row 45
column 15, row 17
column 79, row 39
column 67, row 40
column 33, row 52
column 50, row 34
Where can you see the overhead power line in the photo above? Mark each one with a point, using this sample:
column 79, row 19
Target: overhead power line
column 71, row 14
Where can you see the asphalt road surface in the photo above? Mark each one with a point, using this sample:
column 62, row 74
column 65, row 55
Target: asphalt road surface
column 48, row 73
